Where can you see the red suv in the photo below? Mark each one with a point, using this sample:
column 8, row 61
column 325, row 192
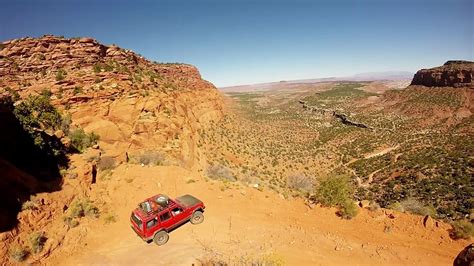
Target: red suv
column 157, row 215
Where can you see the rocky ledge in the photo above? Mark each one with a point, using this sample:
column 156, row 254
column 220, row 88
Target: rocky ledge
column 454, row 73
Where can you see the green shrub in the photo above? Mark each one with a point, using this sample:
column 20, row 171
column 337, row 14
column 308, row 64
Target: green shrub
column 414, row 206
column 14, row 94
column 71, row 222
column 38, row 112
column 37, row 240
column 66, row 123
column 80, row 140
column 77, row 90
column 462, row 229
column 46, row 93
column 60, row 75
column 18, row 253
column 334, row 191
column 81, row 208
column 97, row 68
column 396, row 206
column 348, row 210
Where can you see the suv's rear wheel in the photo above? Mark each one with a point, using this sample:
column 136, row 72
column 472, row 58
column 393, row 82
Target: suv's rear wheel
column 161, row 238
column 197, row 217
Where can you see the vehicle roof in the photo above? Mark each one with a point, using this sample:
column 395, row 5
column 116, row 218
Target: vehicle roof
column 146, row 215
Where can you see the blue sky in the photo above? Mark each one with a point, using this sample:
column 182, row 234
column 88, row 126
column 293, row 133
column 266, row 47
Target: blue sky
column 243, row 42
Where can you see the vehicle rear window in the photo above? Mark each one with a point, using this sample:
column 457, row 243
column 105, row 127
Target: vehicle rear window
column 137, row 221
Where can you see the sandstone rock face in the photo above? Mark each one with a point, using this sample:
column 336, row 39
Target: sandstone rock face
column 132, row 103
column 458, row 74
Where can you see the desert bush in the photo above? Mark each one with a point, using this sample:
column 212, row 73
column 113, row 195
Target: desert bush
column 13, row 93
column 81, row 140
column 151, row 158
column 83, row 207
column 97, row 68
column 37, row 240
column 348, row 210
column 29, row 205
column 71, row 222
column 37, row 112
column 334, row 191
column 46, row 93
column 221, row 172
column 396, row 206
column 77, row 90
column 106, row 163
column 462, row 229
column 65, row 123
column 60, row 75
column 300, row 182
column 18, row 253
column 110, row 218
column 414, row 206
column 373, row 206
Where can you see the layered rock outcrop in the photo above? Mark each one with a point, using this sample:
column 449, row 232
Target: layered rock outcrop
column 458, row 74
column 132, row 103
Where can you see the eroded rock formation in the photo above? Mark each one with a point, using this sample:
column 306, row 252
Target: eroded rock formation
column 131, row 102
column 458, row 74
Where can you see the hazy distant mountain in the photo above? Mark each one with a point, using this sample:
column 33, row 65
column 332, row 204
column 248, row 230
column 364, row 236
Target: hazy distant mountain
column 387, row 75
column 369, row 76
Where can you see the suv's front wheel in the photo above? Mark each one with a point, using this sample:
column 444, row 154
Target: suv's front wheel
column 197, row 217
column 161, row 238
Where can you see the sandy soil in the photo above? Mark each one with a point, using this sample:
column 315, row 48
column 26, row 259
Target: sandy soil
column 237, row 229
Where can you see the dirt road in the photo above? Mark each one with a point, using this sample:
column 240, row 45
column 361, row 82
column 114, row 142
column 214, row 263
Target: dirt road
column 243, row 224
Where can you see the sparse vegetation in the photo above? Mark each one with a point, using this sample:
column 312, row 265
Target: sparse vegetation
column 60, row 75
column 151, row 158
column 348, row 210
column 37, row 241
column 81, row 140
column 334, row 191
column 431, row 164
column 81, row 208
column 300, row 182
column 414, row 206
column 18, row 253
column 462, row 229
column 110, row 218
column 220, row 172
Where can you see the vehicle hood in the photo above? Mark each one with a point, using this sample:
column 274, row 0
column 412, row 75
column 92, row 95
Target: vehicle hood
column 188, row 201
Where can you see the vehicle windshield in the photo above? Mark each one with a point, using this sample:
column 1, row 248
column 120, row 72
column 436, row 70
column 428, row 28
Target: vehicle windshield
column 137, row 221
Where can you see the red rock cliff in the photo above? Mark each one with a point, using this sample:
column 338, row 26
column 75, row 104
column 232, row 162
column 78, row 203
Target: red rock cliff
column 452, row 74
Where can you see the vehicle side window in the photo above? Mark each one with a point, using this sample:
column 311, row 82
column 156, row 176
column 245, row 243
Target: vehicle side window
column 165, row 216
column 176, row 211
column 151, row 223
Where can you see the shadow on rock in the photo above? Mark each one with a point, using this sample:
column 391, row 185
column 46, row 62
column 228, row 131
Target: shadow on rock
column 25, row 167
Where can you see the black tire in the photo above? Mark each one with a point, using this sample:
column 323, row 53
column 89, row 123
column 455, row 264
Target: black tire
column 161, row 238
column 197, row 217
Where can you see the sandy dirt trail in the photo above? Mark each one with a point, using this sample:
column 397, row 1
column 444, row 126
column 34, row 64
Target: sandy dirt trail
column 243, row 224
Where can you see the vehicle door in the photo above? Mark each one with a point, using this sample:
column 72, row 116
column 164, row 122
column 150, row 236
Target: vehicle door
column 151, row 226
column 179, row 214
column 166, row 220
